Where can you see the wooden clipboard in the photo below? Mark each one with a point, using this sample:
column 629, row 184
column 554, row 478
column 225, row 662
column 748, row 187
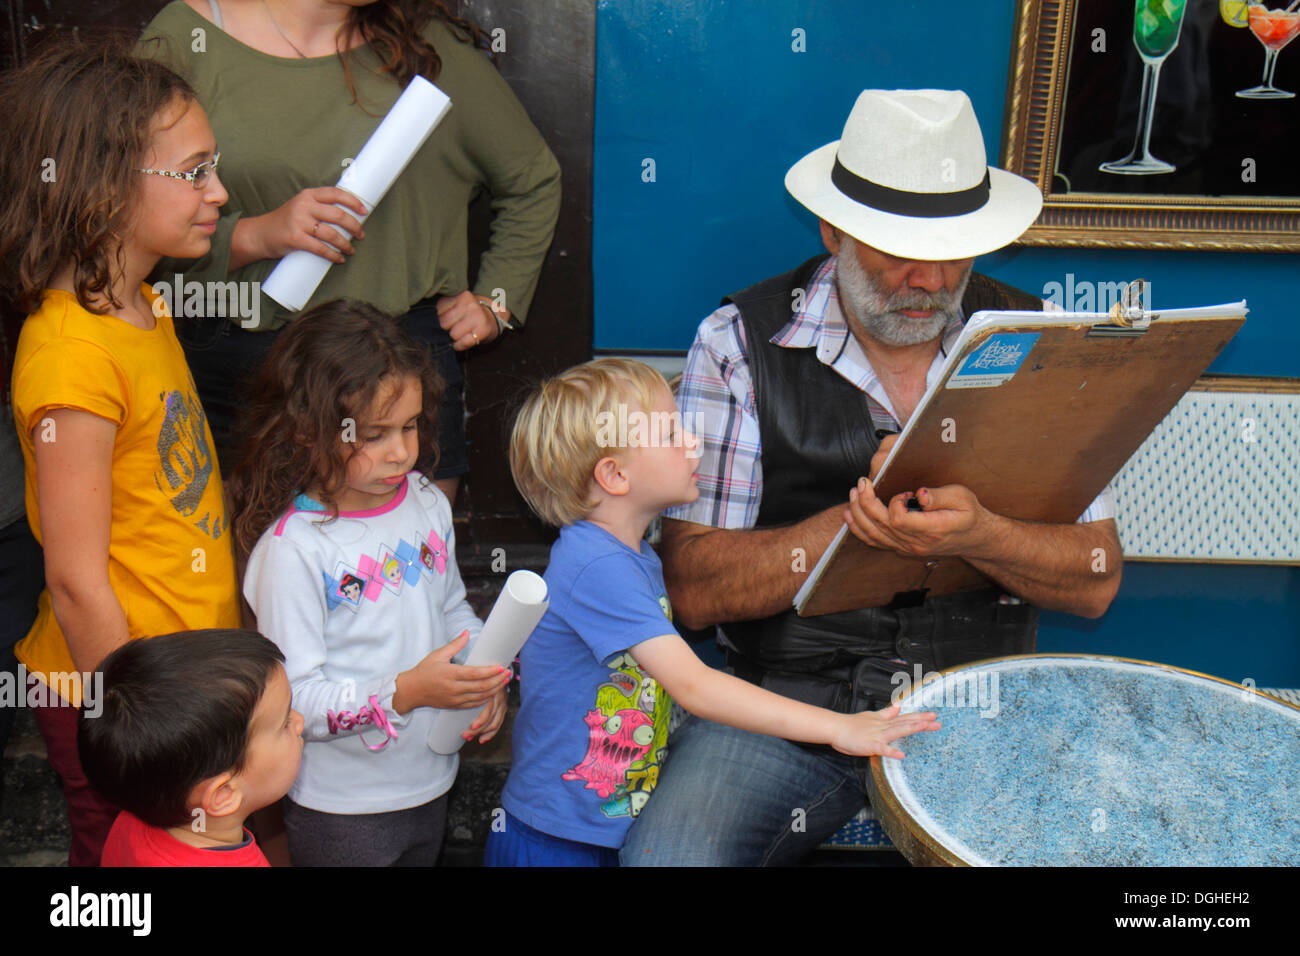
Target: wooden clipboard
column 1034, row 412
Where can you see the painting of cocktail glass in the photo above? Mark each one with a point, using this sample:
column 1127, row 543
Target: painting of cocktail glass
column 1275, row 29
column 1180, row 98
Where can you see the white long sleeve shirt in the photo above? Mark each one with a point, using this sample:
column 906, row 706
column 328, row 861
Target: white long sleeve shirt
column 352, row 603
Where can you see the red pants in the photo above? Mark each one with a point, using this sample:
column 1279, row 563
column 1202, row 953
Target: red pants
column 90, row 816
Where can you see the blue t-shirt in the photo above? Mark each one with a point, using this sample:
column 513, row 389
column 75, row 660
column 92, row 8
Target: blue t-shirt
column 592, row 726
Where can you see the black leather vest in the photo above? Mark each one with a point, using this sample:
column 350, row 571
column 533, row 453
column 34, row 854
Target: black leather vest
column 817, row 439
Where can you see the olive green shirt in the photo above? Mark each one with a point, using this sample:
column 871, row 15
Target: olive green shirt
column 284, row 125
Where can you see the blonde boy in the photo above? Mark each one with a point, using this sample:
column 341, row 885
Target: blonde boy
column 599, row 451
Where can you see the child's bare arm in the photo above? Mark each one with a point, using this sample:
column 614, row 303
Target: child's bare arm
column 436, row 682
column 74, row 485
column 719, row 697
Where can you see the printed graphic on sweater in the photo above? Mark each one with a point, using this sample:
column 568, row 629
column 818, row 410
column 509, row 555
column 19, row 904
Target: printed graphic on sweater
column 389, row 570
column 345, row 587
column 184, row 459
column 433, row 553
column 628, row 730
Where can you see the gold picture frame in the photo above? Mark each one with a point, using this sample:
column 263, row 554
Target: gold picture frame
column 1034, row 123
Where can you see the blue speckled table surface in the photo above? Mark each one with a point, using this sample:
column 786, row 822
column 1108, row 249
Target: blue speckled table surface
column 1100, row 762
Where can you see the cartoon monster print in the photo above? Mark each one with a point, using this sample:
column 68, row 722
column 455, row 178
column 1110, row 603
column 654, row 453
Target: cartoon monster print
column 616, row 742
column 625, row 804
column 629, row 686
column 650, row 698
column 627, row 734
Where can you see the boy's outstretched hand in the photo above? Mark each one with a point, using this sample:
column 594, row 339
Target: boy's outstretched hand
column 437, row 682
column 869, row 734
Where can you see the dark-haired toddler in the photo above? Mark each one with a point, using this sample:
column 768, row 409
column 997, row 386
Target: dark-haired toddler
column 196, row 733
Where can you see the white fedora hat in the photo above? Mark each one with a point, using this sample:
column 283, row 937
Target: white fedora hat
column 909, row 177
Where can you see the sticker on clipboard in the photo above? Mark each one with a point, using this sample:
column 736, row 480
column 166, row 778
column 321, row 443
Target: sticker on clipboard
column 994, row 362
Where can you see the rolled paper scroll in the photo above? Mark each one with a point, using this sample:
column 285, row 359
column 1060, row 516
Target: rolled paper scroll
column 517, row 611
column 399, row 137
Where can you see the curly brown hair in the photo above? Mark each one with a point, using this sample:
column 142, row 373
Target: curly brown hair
column 78, row 118
column 325, row 367
column 394, row 29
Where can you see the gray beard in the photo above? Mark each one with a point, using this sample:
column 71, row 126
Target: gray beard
column 880, row 315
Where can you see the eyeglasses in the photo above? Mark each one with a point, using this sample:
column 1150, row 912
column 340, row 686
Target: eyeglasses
column 196, row 177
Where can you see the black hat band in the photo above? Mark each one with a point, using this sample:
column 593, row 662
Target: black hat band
column 900, row 202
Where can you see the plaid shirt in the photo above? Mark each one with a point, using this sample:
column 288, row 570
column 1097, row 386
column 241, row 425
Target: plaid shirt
column 716, row 398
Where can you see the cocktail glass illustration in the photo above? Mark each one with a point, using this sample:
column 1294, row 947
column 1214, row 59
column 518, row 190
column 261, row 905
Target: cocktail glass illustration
column 1275, row 29
column 1156, row 26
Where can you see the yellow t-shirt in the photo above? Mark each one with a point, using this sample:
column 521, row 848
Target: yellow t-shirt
column 169, row 555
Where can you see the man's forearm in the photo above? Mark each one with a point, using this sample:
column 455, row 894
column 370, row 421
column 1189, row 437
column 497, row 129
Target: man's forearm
column 722, row 575
column 1073, row 568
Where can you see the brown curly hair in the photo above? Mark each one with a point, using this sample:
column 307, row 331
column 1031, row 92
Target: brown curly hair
column 394, row 29
column 324, row 367
column 78, row 119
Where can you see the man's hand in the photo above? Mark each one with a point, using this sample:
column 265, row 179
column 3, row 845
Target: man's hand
column 951, row 521
column 1062, row 567
column 878, row 459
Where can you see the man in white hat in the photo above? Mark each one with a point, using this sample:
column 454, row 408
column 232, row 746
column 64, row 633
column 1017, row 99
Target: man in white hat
column 792, row 385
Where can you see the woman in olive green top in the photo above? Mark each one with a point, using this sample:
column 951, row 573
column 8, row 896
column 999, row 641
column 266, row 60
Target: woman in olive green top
column 293, row 89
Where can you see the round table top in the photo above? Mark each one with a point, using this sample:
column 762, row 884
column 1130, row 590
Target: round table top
column 1093, row 761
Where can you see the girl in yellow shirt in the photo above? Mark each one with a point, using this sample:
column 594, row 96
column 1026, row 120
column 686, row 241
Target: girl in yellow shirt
column 110, row 164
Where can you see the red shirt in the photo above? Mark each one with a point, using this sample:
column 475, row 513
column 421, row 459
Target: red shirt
column 132, row 842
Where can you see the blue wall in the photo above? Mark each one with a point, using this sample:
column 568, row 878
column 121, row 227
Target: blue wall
column 714, row 94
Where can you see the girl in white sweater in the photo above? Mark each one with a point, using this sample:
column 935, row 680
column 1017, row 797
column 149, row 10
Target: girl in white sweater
column 353, row 575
